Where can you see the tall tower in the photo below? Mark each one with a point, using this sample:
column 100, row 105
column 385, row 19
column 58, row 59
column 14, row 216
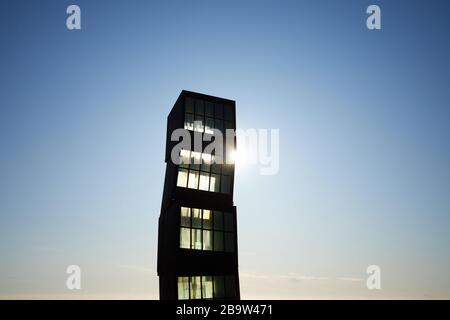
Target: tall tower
column 197, row 238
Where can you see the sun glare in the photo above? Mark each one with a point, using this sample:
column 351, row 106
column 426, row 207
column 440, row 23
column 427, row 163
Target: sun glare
column 238, row 158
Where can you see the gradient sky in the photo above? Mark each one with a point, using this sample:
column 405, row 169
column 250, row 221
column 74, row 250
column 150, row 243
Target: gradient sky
column 364, row 142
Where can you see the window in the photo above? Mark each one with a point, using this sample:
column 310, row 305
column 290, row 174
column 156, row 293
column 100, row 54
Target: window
column 203, row 229
column 199, row 107
column 201, row 171
column 225, row 184
column 185, row 217
column 185, row 238
column 228, row 113
column 218, row 220
column 229, row 150
column 218, row 123
column 183, row 288
column 189, row 121
column 190, row 105
column 207, row 240
column 228, row 221
column 218, row 241
column 193, row 180
column 230, row 286
column 209, row 125
column 198, row 123
column 215, row 167
column 229, row 242
column 196, row 160
column 204, row 181
column 184, row 158
column 182, row 178
column 206, row 162
column 197, row 239
column 214, row 183
column 207, row 219
column 219, row 287
column 204, row 116
column 209, row 109
column 196, row 292
column 207, row 287
column 218, row 108
column 196, row 218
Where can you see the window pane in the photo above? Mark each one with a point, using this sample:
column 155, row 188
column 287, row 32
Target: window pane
column 209, row 109
column 229, row 242
column 228, row 113
column 204, row 181
column 229, row 125
column 206, row 162
column 225, row 184
column 215, row 166
column 196, row 288
column 214, row 183
column 182, row 178
column 199, row 107
column 218, row 241
column 228, row 221
column 207, row 240
column 218, row 110
column 196, row 218
column 230, row 286
column 196, row 160
column 207, row 287
column 198, row 123
column 218, row 220
column 184, row 158
column 218, row 124
column 193, row 179
column 185, row 217
column 190, row 105
column 207, row 219
column 189, row 121
column 183, row 288
column 185, row 238
column 209, row 125
column 227, row 169
column 219, row 287
column 196, row 239
column 229, row 150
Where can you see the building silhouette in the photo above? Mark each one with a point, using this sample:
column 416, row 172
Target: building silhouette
column 197, row 237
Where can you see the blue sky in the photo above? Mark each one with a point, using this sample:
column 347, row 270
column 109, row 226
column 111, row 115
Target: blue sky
column 364, row 154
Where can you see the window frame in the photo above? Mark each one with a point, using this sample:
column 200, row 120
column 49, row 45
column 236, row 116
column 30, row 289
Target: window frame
column 217, row 228
column 227, row 283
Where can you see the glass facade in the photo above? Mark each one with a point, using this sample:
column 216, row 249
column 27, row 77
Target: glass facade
column 203, row 116
column 202, row 229
column 202, row 172
column 206, row 287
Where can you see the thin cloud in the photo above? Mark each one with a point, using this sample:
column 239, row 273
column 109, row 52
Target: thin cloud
column 289, row 276
column 137, row 268
column 254, row 275
column 350, row 279
column 296, row 277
